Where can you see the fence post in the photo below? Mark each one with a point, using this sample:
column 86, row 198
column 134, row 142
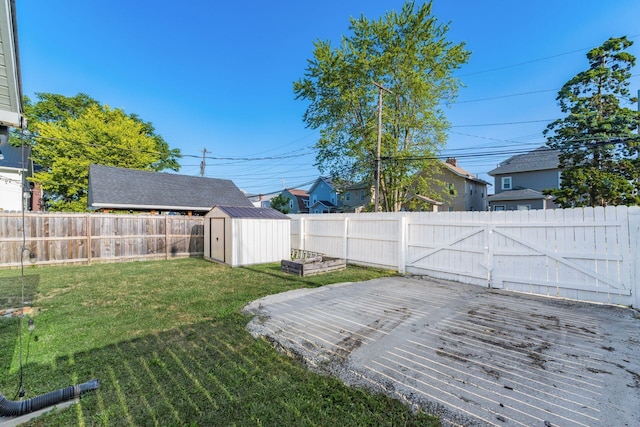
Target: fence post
column 302, row 238
column 634, row 249
column 402, row 244
column 166, row 237
column 345, row 239
column 88, row 216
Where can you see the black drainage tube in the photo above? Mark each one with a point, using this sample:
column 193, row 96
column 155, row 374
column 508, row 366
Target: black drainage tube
column 9, row 408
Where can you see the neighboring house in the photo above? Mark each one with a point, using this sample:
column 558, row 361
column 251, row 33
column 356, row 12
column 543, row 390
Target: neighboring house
column 520, row 181
column 14, row 170
column 466, row 192
column 356, row 197
column 121, row 189
column 323, row 196
column 298, row 200
column 14, row 164
column 11, row 109
column 261, row 200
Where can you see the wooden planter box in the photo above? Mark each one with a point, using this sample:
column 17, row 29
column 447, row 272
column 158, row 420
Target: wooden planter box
column 311, row 266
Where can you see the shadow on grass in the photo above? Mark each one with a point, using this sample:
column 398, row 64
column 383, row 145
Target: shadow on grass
column 11, row 290
column 273, row 270
column 211, row 373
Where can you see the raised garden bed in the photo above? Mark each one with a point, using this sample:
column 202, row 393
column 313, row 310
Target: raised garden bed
column 315, row 265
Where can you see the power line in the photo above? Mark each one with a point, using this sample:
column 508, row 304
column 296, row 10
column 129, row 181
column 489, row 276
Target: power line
column 533, row 60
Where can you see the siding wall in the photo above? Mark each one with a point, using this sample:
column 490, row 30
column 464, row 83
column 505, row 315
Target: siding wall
column 536, row 180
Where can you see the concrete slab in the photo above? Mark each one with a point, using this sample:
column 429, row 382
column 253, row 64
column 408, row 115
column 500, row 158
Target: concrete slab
column 471, row 355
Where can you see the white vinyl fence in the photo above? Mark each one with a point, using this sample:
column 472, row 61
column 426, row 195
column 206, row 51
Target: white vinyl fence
column 588, row 254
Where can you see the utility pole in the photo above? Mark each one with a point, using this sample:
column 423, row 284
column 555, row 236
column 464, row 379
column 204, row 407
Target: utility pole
column 203, row 163
column 377, row 186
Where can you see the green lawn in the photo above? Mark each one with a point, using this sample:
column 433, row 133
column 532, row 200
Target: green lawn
column 168, row 343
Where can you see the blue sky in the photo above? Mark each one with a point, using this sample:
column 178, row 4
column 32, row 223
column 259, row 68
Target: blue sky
column 219, row 75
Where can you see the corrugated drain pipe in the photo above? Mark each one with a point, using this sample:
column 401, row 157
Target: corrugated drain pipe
column 9, row 408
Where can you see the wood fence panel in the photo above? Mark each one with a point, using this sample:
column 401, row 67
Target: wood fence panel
column 65, row 238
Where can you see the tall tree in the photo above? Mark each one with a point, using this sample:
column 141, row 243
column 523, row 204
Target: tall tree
column 598, row 139
column 408, row 54
column 70, row 133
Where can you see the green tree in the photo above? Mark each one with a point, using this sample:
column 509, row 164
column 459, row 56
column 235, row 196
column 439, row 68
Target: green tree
column 598, row 138
column 70, row 133
column 280, row 203
column 408, row 54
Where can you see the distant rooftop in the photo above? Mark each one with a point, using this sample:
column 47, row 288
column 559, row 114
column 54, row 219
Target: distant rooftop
column 542, row 158
column 121, row 188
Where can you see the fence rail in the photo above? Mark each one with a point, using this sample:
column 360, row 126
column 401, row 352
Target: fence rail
column 65, row 238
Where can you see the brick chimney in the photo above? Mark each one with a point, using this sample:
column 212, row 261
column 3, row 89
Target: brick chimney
column 452, row 161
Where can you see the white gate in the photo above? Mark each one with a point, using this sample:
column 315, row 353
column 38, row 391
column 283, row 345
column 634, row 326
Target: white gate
column 582, row 254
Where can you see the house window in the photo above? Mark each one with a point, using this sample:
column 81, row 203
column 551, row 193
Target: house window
column 482, row 194
column 452, row 189
column 290, row 203
column 559, row 179
column 314, row 199
column 499, row 208
column 450, row 209
column 306, row 203
column 347, row 196
column 506, row 183
column 524, row 207
column 333, row 198
column 471, row 189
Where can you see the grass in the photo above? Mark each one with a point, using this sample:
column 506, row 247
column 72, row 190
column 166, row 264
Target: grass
column 168, row 342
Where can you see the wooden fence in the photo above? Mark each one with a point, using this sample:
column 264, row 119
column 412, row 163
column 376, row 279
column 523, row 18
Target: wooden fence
column 64, row 238
column 586, row 254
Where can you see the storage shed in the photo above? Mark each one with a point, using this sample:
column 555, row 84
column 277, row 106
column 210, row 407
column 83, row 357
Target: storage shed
column 240, row 236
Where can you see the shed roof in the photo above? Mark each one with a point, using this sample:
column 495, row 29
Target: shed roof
column 121, row 188
column 252, row 212
column 542, row 158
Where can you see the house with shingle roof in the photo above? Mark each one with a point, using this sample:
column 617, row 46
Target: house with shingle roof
column 112, row 188
column 298, row 200
column 459, row 190
column 520, row 181
column 468, row 192
column 323, row 196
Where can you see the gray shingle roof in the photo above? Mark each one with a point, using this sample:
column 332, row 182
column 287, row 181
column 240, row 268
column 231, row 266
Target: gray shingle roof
column 520, row 194
column 541, row 158
column 120, row 188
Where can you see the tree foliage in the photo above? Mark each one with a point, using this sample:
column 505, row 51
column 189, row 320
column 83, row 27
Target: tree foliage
column 407, row 53
column 598, row 138
column 280, row 203
column 70, row 133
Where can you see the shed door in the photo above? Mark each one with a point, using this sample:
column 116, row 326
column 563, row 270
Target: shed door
column 217, row 239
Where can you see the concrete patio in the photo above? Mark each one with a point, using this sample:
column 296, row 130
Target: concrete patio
column 471, row 355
